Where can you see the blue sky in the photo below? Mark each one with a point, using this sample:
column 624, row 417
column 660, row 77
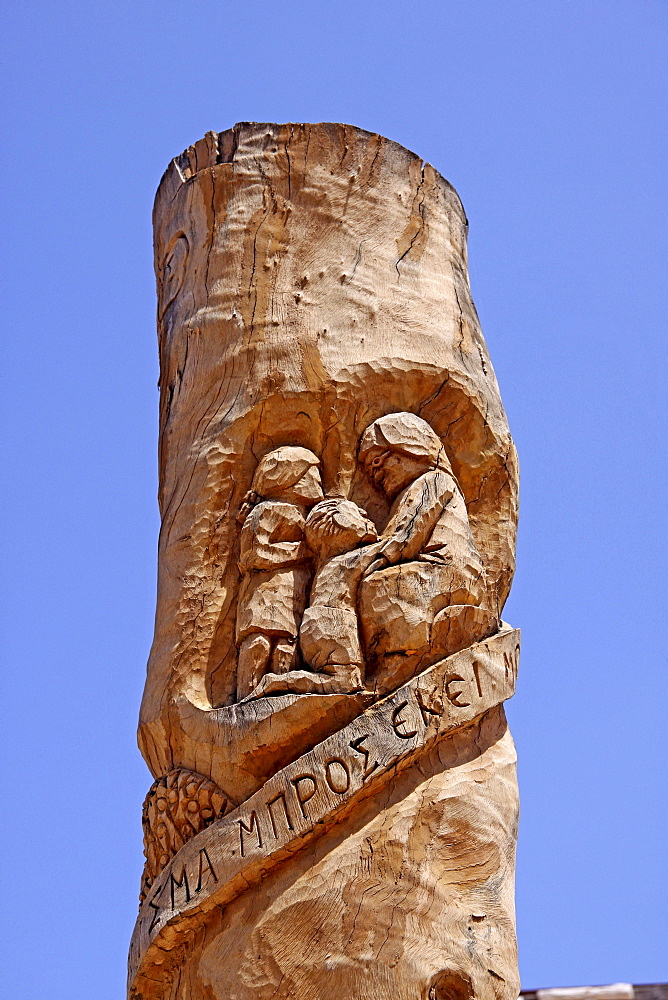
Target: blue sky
column 549, row 119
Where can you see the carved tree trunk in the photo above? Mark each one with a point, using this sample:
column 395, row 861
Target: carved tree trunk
column 342, row 823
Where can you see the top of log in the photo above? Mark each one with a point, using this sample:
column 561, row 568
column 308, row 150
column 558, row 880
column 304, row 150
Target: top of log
column 248, row 138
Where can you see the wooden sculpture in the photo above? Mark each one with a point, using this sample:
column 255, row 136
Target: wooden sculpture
column 335, row 805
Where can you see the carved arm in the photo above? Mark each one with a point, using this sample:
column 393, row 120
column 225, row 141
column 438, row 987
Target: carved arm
column 408, row 531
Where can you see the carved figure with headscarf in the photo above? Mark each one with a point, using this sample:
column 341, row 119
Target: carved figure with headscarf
column 424, row 595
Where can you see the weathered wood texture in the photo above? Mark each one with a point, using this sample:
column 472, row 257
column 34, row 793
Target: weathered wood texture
column 338, row 490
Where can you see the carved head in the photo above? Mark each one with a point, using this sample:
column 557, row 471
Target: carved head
column 336, row 526
column 289, row 473
column 399, row 447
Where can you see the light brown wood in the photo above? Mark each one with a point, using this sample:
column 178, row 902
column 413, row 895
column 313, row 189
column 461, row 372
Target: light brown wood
column 338, row 490
column 299, row 803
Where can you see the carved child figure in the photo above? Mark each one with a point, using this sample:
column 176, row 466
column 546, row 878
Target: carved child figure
column 275, row 564
column 329, row 633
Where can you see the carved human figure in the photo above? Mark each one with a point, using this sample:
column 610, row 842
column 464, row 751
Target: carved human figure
column 423, row 595
column 329, row 632
column 275, row 563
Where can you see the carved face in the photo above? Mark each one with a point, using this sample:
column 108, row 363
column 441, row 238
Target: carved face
column 392, row 471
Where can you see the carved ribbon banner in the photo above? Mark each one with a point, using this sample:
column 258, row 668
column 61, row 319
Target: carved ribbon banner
column 305, row 798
